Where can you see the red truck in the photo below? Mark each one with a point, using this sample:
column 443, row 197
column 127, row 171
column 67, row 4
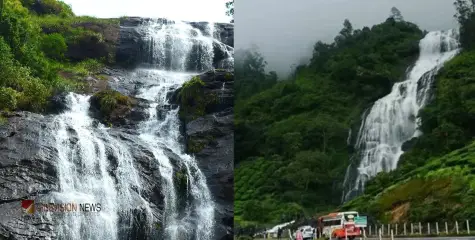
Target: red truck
column 339, row 225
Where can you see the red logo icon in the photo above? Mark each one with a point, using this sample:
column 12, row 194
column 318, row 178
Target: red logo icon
column 28, row 206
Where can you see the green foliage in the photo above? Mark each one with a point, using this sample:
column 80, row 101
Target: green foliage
column 441, row 190
column 46, row 7
column 181, row 178
column 8, row 98
column 54, row 46
column 466, row 18
column 194, row 100
column 230, row 9
column 447, row 125
column 292, row 135
column 19, row 88
column 30, row 60
column 250, row 69
column 109, row 100
column 195, row 146
column 197, row 143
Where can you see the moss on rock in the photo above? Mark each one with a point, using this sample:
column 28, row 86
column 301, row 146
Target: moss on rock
column 111, row 104
column 196, row 144
column 194, row 99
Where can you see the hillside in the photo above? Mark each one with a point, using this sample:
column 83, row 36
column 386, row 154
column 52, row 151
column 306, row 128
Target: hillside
column 434, row 179
column 292, row 136
column 45, row 49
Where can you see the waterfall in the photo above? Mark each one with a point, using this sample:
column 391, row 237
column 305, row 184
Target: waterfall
column 84, row 147
column 175, row 48
column 96, row 166
column 393, row 119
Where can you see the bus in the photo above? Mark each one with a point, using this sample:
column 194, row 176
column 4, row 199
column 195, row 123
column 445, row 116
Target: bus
column 339, row 225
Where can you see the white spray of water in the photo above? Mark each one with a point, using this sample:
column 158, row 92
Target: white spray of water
column 83, row 169
column 393, row 119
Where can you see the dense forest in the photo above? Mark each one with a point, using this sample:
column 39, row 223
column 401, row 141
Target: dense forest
column 291, row 135
column 42, row 52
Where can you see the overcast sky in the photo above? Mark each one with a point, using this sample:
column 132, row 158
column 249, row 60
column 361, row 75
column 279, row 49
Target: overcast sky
column 186, row 10
column 286, row 30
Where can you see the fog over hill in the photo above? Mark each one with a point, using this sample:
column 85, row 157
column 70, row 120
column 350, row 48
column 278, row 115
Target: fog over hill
column 285, row 31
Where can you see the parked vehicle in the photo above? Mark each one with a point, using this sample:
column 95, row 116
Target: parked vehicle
column 307, row 233
column 339, row 225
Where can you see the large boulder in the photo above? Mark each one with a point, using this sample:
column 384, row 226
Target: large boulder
column 114, row 108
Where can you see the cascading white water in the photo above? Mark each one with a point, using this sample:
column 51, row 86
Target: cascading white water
column 178, row 46
column 83, row 165
column 161, row 131
column 185, row 45
column 85, row 147
column 393, row 119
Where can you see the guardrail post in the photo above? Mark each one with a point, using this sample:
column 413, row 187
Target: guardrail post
column 420, row 228
column 468, row 227
column 457, row 227
column 392, row 235
column 364, row 233
column 404, row 229
column 412, row 228
column 369, row 233
column 395, row 231
column 380, row 234
column 437, row 227
column 428, row 228
column 389, row 228
column 446, row 228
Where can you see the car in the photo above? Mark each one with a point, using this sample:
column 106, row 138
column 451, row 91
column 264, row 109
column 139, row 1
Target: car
column 307, row 232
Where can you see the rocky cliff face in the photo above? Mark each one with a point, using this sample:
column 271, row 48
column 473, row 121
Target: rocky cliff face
column 132, row 48
column 28, row 160
column 29, row 154
column 210, row 137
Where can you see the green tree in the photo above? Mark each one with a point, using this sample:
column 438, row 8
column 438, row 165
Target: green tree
column 466, row 18
column 230, row 11
column 396, row 14
column 250, row 73
column 54, row 46
column 2, row 3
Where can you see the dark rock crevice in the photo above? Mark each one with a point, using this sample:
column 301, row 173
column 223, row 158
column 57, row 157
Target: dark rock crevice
column 210, row 137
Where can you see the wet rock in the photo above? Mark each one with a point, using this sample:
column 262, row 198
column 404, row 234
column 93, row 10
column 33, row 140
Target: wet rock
column 27, row 170
column 113, row 108
column 58, row 103
column 211, row 139
column 406, row 146
column 163, row 110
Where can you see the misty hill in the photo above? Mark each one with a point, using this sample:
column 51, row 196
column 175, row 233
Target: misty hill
column 292, row 139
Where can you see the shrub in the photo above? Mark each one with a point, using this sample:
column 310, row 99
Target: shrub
column 8, row 98
column 34, row 96
column 54, row 46
column 109, row 100
column 46, row 7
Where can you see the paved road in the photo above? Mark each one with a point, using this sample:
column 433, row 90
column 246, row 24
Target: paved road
column 427, row 238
